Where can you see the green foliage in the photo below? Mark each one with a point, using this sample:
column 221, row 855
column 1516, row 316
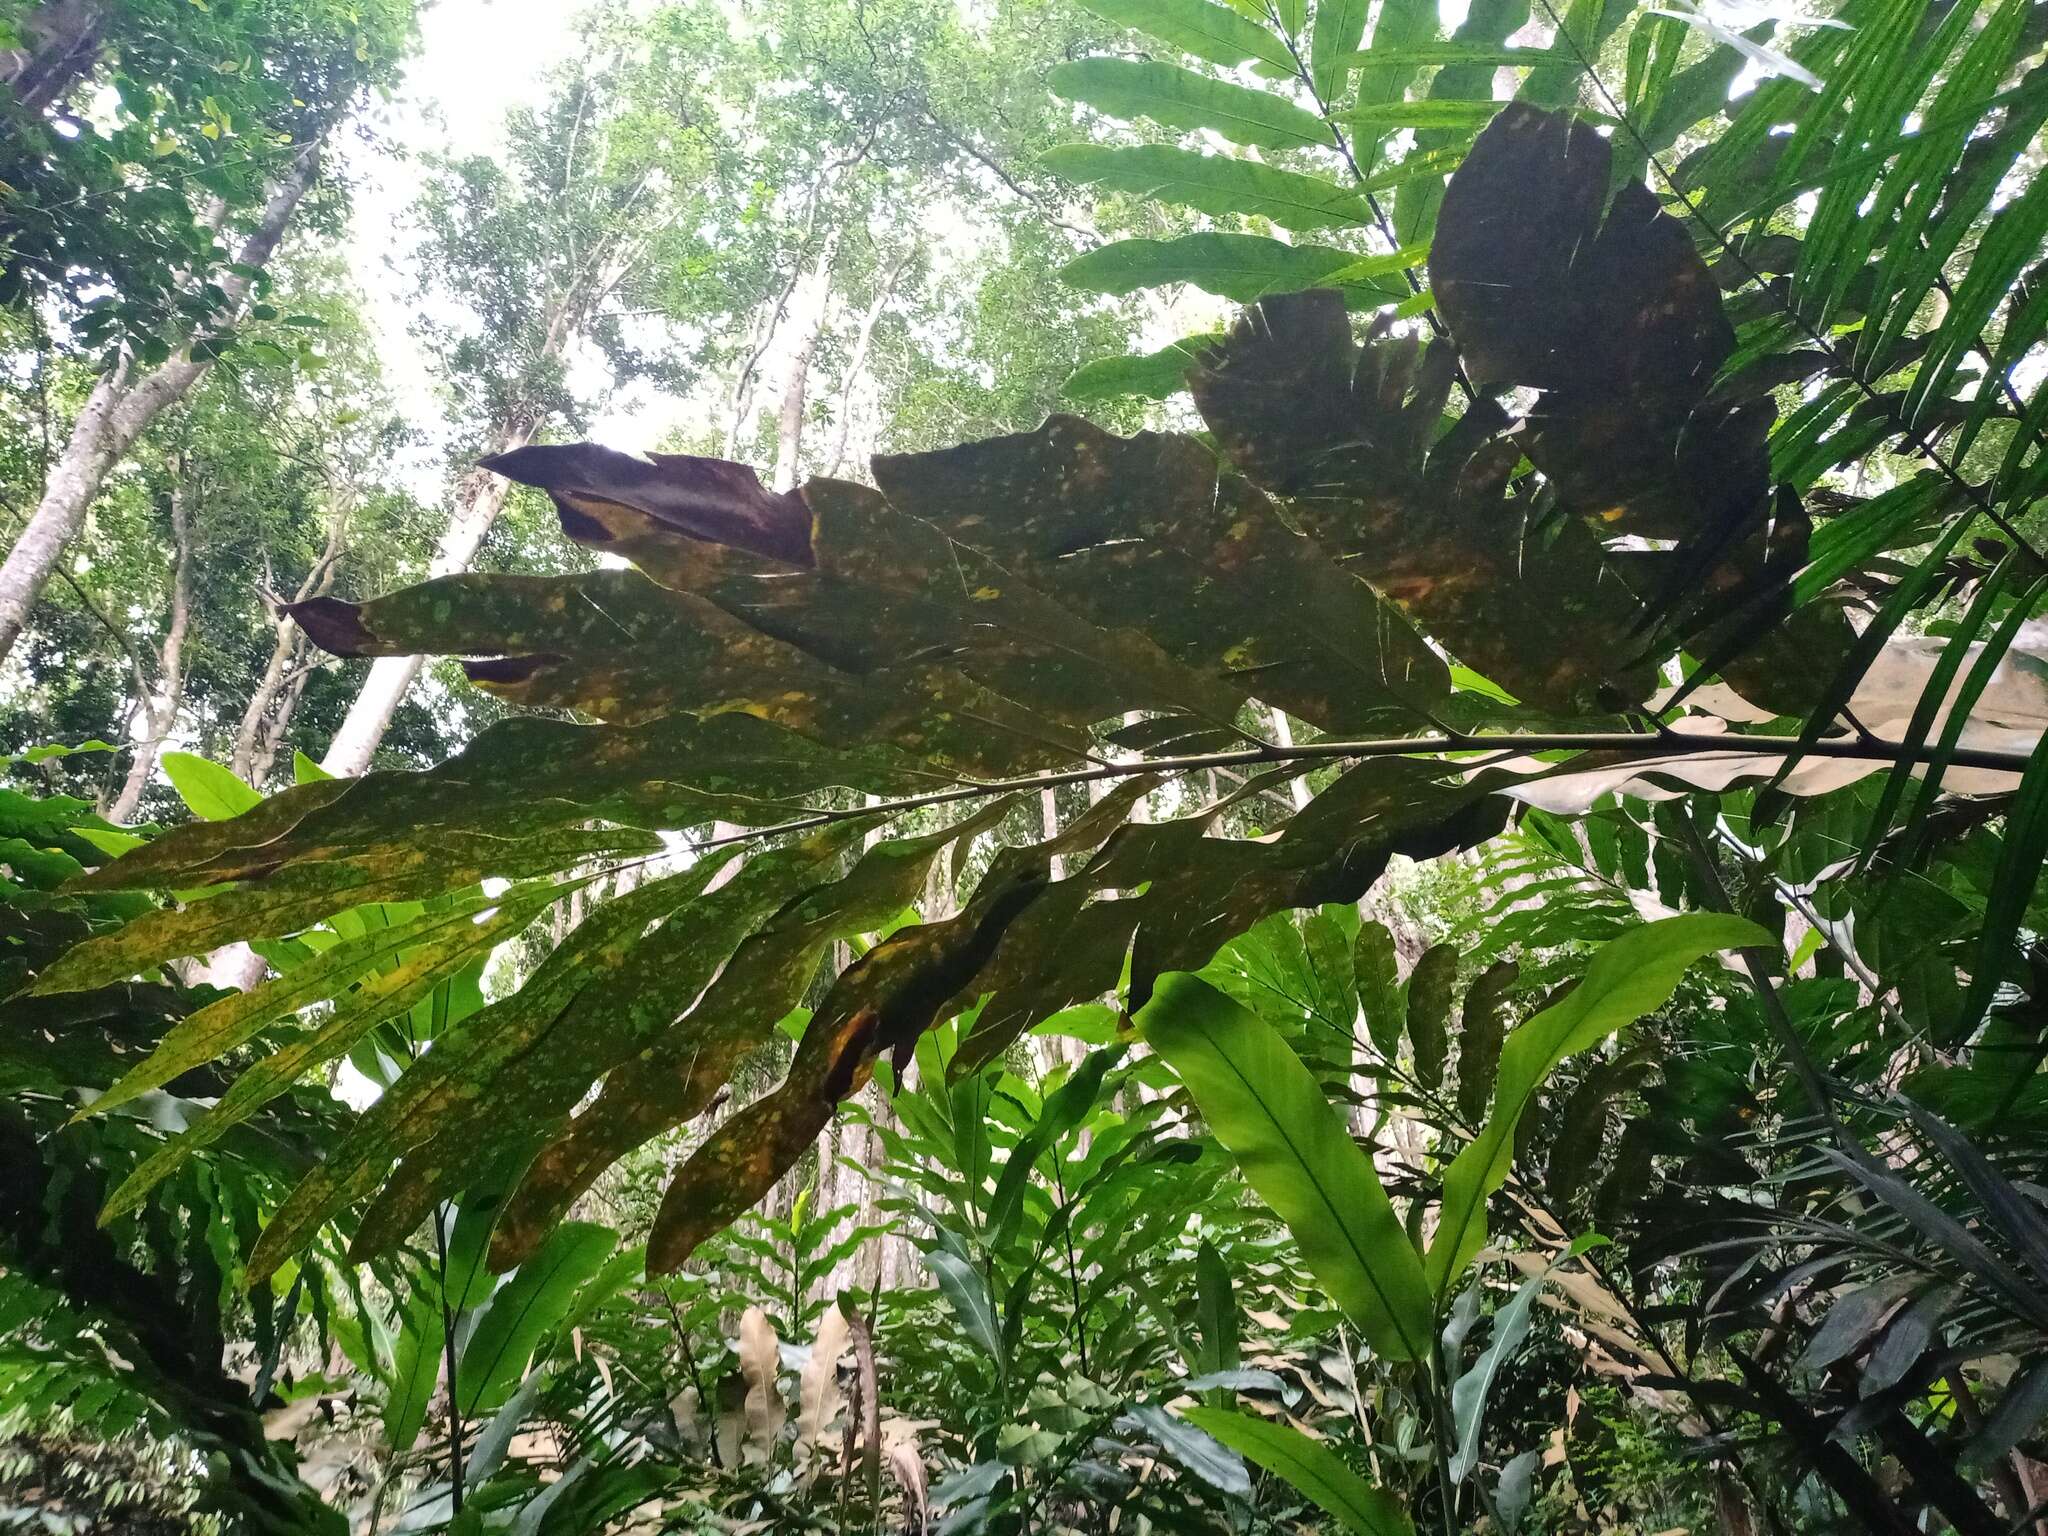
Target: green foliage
column 1318, row 1473
column 1266, row 1109
column 125, row 122
column 1393, row 597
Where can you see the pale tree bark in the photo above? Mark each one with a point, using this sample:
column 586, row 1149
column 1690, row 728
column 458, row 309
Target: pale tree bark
column 857, row 362
column 64, row 42
column 121, row 408
column 1283, row 736
column 160, row 713
column 479, row 496
column 815, row 301
column 276, row 696
column 760, row 337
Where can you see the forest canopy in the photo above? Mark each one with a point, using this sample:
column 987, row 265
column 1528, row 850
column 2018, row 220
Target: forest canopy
column 1181, row 765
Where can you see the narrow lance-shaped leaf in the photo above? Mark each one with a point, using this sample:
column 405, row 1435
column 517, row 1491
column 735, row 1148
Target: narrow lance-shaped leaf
column 1470, row 1392
column 1332, row 44
column 1265, row 1107
column 416, row 1367
column 381, row 997
column 208, row 789
column 526, row 1309
column 1310, row 1468
column 1180, row 98
column 1241, row 267
column 1207, row 31
column 222, row 1026
column 1216, row 1316
column 448, row 1080
column 1211, row 184
column 1625, row 979
column 1152, row 375
column 1068, row 1106
column 964, row 1290
column 2012, row 886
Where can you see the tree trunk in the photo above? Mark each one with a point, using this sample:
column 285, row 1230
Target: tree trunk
column 162, row 715
column 478, row 497
column 269, row 712
column 120, row 409
column 266, row 697
column 789, row 432
column 1283, row 736
column 857, row 362
column 64, row 38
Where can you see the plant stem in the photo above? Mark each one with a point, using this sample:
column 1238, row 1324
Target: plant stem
column 1379, row 216
column 1633, row 744
column 1073, row 1271
column 1436, row 1374
column 448, row 1360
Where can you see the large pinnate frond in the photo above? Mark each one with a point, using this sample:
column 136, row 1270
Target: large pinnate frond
column 982, row 617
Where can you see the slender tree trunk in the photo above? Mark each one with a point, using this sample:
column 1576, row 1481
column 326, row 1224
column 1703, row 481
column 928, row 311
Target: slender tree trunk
column 857, row 363
column 789, row 433
column 161, row 715
column 64, row 41
column 269, row 711
column 120, row 409
column 269, row 689
column 271, row 741
column 1283, row 736
column 759, row 339
column 478, row 497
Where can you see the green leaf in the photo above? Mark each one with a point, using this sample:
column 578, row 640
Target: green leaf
column 526, row 1309
column 1310, row 1468
column 1180, row 98
column 1215, row 1316
column 1152, row 375
column 2012, row 887
column 1471, row 1390
column 1068, row 1106
column 208, row 789
column 1194, row 1449
column 1963, row 704
column 1421, row 114
column 306, row 771
column 963, row 1288
column 1389, row 264
column 1212, row 184
column 221, row 1026
column 461, row 948
column 113, row 844
column 1211, row 32
column 1241, row 267
column 1333, row 43
column 1265, row 1107
column 416, row 1368
column 1432, row 54
column 1938, row 693
column 1626, row 978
